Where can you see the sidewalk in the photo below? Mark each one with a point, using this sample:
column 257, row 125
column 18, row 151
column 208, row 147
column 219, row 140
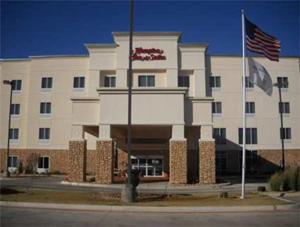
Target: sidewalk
column 150, row 208
column 165, row 187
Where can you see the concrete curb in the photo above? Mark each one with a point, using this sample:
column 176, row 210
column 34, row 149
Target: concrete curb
column 82, row 207
column 148, row 186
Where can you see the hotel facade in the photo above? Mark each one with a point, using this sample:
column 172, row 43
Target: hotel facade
column 69, row 113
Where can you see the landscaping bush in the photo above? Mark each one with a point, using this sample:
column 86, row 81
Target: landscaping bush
column 287, row 180
column 20, row 168
column 276, row 181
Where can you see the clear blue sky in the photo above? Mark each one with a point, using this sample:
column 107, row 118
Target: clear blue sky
column 62, row 27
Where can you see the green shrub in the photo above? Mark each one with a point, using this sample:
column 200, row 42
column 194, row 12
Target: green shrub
column 287, row 180
column 20, row 168
column 276, row 181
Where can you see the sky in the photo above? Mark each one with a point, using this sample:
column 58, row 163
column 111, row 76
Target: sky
column 30, row 28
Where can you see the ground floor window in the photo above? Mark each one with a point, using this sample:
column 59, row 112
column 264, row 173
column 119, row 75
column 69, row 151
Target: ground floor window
column 43, row 164
column 13, row 161
column 221, row 161
column 148, row 165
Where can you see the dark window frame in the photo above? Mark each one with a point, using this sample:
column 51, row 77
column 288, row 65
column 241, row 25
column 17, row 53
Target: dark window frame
column 109, row 81
column 47, row 83
column 44, row 133
column 251, row 136
column 16, row 85
column 220, row 135
column 15, row 109
column 216, row 107
column 183, row 81
column 79, row 82
column 215, row 81
column 45, row 107
column 149, row 81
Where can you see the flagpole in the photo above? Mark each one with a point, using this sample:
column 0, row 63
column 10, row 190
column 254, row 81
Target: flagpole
column 243, row 109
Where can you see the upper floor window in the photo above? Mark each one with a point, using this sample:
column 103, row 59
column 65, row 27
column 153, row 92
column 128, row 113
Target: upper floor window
column 216, row 107
column 215, row 81
column 250, row 107
column 249, row 84
column 285, row 133
column 78, row 82
column 15, row 109
column 284, row 107
column 220, row 135
column 16, row 85
column 183, row 81
column 109, row 81
column 251, row 135
column 46, row 82
column 44, row 133
column 283, row 82
column 45, row 108
column 14, row 134
column 146, row 81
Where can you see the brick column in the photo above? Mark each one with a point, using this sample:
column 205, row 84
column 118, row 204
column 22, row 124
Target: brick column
column 77, row 160
column 104, row 162
column 207, row 165
column 178, row 162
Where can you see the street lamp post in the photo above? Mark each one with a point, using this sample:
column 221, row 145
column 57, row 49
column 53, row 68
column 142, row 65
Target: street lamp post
column 279, row 85
column 8, row 82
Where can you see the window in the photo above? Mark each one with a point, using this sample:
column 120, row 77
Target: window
column 220, row 135
column 221, row 162
column 44, row 133
column 283, row 82
column 251, row 135
column 43, row 163
column 148, row 166
column 284, row 107
column 250, row 107
column 109, row 81
column 252, row 161
column 216, row 107
column 47, row 82
column 12, row 161
column 249, row 84
column 16, row 85
column 146, row 81
column 215, row 81
column 78, row 82
column 45, row 108
column 15, row 109
column 183, row 81
column 14, row 134
column 285, row 133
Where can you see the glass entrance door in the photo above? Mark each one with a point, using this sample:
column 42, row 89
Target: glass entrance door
column 149, row 166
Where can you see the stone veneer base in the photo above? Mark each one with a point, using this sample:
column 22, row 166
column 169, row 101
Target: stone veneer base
column 178, row 162
column 207, row 162
column 104, row 162
column 77, row 161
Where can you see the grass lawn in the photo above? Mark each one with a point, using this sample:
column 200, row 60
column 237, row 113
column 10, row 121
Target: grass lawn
column 104, row 198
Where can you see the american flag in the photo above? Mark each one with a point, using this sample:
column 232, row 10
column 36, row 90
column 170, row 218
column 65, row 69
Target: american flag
column 260, row 42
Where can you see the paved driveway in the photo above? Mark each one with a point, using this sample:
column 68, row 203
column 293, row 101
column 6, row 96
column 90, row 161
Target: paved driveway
column 54, row 182
column 65, row 218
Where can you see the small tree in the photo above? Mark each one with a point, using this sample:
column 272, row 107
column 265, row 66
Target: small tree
column 20, row 167
column 32, row 162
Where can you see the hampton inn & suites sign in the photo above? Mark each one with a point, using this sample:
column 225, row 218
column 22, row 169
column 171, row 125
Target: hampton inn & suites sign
column 148, row 54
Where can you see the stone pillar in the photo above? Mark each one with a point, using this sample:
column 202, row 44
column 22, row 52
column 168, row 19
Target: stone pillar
column 178, row 156
column 77, row 160
column 207, row 163
column 104, row 161
column 178, row 162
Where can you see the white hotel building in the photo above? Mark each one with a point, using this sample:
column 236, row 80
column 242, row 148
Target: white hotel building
column 69, row 113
